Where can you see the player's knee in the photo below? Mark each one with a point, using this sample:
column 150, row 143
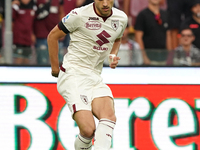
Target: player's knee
column 111, row 117
column 88, row 132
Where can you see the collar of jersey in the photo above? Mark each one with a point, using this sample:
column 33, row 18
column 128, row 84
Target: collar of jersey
column 104, row 18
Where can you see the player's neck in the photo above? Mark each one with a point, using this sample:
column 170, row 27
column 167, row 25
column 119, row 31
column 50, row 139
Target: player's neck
column 100, row 15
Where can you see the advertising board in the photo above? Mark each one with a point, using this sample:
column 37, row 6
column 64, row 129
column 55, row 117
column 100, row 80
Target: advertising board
column 156, row 109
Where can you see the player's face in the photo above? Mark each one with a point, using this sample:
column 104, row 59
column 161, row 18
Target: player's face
column 103, row 7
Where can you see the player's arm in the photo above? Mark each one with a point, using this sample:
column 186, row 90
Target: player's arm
column 113, row 54
column 53, row 48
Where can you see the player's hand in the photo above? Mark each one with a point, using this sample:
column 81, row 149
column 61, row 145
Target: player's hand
column 114, row 63
column 55, row 73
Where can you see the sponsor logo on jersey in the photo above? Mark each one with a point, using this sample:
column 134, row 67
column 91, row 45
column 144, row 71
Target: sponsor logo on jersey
column 100, row 48
column 115, row 24
column 84, row 99
column 65, row 18
column 93, row 18
column 93, row 25
column 103, row 38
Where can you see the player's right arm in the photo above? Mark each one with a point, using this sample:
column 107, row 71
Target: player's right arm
column 53, row 48
column 68, row 24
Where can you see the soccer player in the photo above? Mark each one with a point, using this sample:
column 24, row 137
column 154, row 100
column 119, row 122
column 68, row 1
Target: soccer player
column 95, row 31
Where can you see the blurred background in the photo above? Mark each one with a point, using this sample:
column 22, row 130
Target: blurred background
column 159, row 32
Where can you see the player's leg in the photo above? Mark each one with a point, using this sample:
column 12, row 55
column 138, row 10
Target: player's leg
column 103, row 109
column 86, row 124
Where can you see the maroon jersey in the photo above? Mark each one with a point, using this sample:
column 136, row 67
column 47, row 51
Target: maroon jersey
column 69, row 5
column 42, row 27
column 23, row 25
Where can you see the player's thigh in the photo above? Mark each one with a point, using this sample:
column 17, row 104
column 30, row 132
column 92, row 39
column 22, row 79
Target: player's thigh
column 75, row 90
column 85, row 122
column 103, row 107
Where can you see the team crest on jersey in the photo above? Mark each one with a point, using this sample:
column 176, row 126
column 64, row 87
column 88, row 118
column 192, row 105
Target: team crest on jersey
column 115, row 24
column 84, row 99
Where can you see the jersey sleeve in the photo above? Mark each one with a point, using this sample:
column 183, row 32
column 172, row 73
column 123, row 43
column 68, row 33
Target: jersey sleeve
column 71, row 21
column 124, row 22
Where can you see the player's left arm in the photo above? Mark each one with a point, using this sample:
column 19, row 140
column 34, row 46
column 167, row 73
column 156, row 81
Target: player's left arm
column 113, row 54
column 113, row 59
